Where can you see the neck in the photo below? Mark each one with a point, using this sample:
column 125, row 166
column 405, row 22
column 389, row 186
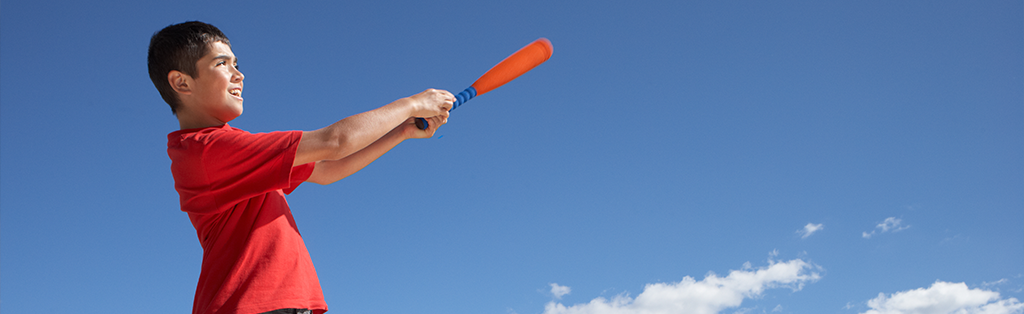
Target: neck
column 186, row 120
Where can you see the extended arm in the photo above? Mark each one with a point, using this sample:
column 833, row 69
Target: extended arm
column 353, row 134
column 329, row 171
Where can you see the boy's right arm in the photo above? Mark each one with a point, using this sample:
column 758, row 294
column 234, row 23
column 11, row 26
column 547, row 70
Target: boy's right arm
column 354, row 133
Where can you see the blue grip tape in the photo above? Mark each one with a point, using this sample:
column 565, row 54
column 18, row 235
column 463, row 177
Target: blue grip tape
column 464, row 96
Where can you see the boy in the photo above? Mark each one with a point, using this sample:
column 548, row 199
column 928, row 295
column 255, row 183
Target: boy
column 232, row 183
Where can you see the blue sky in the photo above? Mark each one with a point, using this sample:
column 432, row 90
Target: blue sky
column 671, row 157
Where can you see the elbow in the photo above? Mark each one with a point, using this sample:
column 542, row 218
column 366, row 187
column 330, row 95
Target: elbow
column 335, row 146
column 321, row 182
column 325, row 173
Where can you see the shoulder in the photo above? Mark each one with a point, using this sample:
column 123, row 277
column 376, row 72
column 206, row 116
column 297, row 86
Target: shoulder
column 202, row 135
column 225, row 143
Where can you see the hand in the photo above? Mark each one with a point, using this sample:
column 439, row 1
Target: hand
column 410, row 130
column 432, row 102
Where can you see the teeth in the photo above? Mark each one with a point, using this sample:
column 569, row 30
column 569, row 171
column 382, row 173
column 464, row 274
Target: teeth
column 236, row 93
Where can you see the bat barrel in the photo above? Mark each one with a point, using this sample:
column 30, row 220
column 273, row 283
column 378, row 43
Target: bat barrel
column 520, row 62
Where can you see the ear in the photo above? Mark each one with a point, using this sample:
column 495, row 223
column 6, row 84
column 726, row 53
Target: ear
column 180, row 82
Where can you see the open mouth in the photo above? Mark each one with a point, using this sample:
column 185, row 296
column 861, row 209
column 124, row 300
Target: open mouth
column 236, row 93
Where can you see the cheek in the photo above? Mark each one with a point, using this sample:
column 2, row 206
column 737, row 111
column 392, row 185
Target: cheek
column 224, row 80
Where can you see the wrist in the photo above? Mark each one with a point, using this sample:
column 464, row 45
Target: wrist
column 407, row 106
column 403, row 132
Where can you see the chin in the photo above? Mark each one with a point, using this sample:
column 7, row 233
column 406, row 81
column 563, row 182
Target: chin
column 237, row 112
column 232, row 116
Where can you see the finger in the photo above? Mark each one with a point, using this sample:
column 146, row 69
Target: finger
column 439, row 120
column 448, row 96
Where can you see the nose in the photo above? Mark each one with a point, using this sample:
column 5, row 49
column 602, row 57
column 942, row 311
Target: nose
column 237, row 76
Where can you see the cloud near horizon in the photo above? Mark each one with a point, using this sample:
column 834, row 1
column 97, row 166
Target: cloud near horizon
column 711, row 295
column 559, row 291
column 942, row 298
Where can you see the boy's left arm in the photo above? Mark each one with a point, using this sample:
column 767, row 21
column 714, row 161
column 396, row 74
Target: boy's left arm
column 329, row 171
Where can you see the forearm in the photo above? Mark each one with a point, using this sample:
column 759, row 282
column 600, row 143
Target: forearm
column 354, row 133
column 329, row 171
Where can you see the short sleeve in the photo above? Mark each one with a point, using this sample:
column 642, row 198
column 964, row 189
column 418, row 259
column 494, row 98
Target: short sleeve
column 299, row 174
column 217, row 168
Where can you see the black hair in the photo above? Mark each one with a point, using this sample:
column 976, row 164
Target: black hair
column 179, row 47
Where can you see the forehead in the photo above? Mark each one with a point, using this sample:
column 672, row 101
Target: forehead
column 217, row 50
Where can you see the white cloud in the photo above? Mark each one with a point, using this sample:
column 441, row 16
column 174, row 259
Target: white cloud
column 891, row 224
column 744, row 311
column 710, row 295
column 987, row 284
column 778, row 308
column 944, row 298
column 559, row 291
column 809, row 229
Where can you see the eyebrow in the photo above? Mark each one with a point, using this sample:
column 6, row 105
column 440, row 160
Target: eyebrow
column 225, row 57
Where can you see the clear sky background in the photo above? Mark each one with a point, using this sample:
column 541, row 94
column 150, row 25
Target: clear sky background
column 671, row 157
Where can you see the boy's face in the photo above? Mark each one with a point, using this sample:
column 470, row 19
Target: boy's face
column 218, row 83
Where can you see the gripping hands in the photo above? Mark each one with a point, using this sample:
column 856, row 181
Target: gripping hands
column 433, row 103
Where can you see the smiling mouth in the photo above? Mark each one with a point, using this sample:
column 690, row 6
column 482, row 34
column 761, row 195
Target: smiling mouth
column 236, row 93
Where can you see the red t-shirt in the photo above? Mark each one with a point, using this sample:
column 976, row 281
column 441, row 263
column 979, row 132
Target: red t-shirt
column 232, row 185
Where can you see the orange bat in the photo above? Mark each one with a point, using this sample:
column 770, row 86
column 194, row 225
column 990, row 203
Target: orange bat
column 522, row 61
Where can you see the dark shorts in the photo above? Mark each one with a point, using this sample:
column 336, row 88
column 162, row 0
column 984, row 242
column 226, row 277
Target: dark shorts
column 288, row 311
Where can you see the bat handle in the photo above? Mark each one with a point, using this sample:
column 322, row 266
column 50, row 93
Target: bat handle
column 462, row 97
